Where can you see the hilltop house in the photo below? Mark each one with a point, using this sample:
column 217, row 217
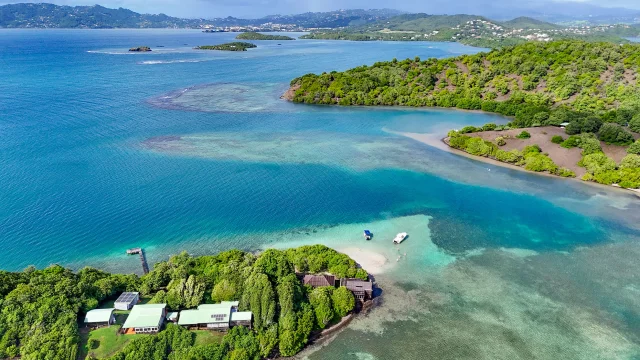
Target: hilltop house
column 362, row 290
column 215, row 317
column 145, row 319
column 319, row 280
column 126, row 300
column 97, row 318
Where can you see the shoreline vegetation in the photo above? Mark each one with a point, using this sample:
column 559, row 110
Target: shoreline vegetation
column 41, row 311
column 441, row 143
column 584, row 95
column 232, row 46
column 250, row 35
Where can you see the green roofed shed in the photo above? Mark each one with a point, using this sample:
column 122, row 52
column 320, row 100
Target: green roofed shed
column 145, row 318
column 241, row 316
column 232, row 303
column 210, row 316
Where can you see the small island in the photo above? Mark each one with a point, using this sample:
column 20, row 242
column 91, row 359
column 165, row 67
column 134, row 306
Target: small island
column 231, row 305
column 232, row 46
column 140, row 49
column 251, row 35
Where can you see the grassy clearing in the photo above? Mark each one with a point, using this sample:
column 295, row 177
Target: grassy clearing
column 205, row 337
column 109, row 341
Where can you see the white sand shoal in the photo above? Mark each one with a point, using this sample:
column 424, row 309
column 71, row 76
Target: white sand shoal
column 375, row 263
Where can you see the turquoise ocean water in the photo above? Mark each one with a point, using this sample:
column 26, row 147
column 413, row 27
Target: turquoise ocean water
column 102, row 150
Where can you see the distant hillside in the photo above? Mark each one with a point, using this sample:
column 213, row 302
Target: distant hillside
column 473, row 30
column 524, row 22
column 420, row 22
column 91, row 17
column 29, row 15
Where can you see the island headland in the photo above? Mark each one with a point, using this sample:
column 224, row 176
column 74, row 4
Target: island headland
column 571, row 114
column 234, row 304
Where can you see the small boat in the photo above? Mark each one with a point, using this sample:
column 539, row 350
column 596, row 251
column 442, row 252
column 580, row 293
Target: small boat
column 400, row 238
column 368, row 235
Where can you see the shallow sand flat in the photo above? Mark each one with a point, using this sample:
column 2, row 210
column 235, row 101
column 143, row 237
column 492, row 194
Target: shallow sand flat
column 375, row 263
column 378, row 255
column 562, row 156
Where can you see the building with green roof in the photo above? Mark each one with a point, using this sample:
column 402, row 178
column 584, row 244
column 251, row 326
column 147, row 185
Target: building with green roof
column 100, row 317
column 241, row 318
column 214, row 317
column 145, row 319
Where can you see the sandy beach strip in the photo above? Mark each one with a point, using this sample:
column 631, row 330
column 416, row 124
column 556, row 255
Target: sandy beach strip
column 374, row 263
column 438, row 142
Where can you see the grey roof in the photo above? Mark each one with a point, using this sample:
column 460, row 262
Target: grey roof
column 149, row 315
column 127, row 297
column 98, row 316
column 358, row 285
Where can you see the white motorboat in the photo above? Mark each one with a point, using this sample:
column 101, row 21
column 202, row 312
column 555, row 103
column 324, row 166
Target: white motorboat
column 400, row 238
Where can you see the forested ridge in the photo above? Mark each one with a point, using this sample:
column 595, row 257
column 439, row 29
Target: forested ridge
column 578, row 75
column 590, row 87
column 250, row 35
column 40, row 309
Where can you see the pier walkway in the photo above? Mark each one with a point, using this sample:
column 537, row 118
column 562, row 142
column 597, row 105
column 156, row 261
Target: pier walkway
column 143, row 259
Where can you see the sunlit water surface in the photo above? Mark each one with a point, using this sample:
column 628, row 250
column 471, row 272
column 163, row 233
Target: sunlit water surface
column 180, row 149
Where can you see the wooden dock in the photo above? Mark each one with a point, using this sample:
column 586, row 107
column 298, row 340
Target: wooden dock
column 143, row 259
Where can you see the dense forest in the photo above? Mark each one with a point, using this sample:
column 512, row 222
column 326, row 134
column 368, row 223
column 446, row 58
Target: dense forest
column 535, row 82
column 232, row 46
column 250, row 35
column 40, row 309
column 591, row 86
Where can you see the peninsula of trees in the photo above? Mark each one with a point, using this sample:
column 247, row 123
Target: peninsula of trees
column 232, row 46
column 40, row 309
column 258, row 36
column 591, row 88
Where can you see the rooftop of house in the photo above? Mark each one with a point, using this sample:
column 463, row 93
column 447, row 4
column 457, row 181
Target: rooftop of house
column 127, row 297
column 241, row 316
column 206, row 314
column 148, row 315
column 98, row 316
column 319, row 280
column 232, row 303
column 358, row 285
